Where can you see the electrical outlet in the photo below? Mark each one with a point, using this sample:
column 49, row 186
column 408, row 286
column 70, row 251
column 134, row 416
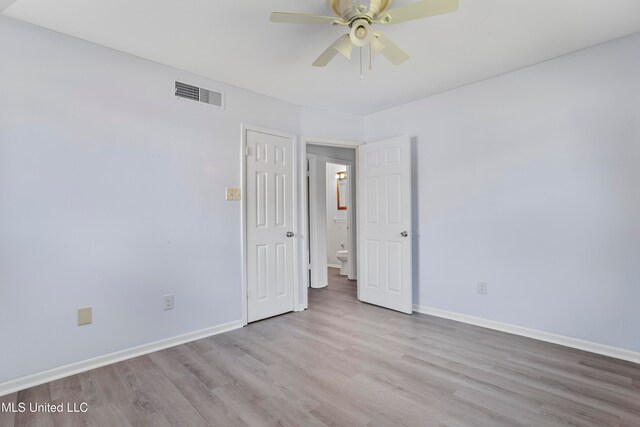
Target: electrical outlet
column 168, row 302
column 85, row 316
column 482, row 288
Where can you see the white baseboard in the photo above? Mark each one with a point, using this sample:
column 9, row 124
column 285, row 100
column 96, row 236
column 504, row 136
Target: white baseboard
column 22, row 383
column 605, row 350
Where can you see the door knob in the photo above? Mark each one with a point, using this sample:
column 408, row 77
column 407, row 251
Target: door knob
column 290, row 234
column 404, row 234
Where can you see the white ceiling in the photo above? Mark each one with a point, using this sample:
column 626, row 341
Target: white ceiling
column 233, row 41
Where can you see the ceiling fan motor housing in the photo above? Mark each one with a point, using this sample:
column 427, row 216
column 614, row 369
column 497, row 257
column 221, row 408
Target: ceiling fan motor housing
column 360, row 33
column 346, row 9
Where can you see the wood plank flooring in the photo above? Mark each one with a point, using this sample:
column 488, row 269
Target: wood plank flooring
column 346, row 363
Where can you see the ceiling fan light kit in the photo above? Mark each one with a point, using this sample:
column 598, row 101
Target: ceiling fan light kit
column 360, row 33
column 360, row 16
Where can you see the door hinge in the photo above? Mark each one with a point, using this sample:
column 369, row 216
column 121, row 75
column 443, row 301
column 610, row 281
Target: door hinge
column 247, row 151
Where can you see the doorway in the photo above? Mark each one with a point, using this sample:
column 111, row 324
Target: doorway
column 330, row 213
column 380, row 234
column 381, row 229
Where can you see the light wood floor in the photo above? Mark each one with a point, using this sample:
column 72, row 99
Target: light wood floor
column 343, row 362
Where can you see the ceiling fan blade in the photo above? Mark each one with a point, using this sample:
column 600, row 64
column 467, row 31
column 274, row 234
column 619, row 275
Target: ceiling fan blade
column 376, row 46
column 342, row 7
column 374, row 8
column 304, row 18
column 418, row 10
column 382, row 44
column 343, row 45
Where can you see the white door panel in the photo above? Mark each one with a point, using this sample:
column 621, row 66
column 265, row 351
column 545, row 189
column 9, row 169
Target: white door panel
column 384, row 200
column 270, row 216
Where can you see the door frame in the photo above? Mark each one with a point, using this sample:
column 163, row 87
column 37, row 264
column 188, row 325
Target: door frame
column 244, row 128
column 303, row 207
column 310, row 216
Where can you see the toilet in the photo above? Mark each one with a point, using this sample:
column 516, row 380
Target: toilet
column 343, row 257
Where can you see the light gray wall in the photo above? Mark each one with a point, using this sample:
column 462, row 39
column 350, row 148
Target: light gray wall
column 112, row 195
column 319, row 123
column 531, row 181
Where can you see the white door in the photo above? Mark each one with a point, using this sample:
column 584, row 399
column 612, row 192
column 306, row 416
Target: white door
column 384, row 229
column 270, row 225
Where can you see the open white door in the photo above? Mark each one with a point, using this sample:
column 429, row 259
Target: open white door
column 270, row 225
column 384, row 224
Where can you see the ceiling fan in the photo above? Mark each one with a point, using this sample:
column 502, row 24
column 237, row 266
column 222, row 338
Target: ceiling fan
column 360, row 17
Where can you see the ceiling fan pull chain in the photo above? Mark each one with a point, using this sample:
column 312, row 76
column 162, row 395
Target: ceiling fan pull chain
column 361, row 72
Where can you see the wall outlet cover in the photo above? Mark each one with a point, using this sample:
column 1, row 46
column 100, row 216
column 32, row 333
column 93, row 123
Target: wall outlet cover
column 168, row 302
column 482, row 288
column 85, row 316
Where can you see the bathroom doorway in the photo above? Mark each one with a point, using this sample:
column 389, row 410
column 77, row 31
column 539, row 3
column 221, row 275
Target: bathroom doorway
column 331, row 244
column 337, row 207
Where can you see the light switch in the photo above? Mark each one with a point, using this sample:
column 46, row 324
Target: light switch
column 85, row 316
column 232, row 194
column 228, row 193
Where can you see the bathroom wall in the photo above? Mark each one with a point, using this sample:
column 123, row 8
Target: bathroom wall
column 337, row 227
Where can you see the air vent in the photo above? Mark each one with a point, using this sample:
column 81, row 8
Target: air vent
column 194, row 93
